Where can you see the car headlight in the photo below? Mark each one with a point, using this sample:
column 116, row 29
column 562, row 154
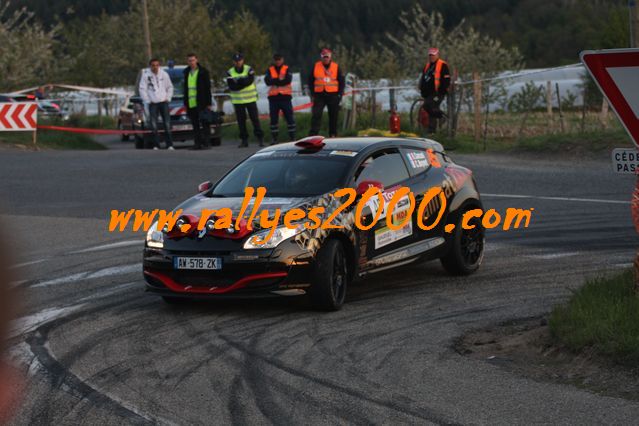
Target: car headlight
column 154, row 237
column 280, row 234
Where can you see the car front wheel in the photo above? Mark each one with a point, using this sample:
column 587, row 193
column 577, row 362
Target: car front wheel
column 467, row 247
column 328, row 287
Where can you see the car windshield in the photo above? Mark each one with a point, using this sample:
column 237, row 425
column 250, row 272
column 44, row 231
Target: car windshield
column 285, row 176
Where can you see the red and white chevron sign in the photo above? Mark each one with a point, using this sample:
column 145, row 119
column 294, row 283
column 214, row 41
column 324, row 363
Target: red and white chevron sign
column 18, row 116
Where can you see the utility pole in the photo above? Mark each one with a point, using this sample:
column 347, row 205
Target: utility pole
column 147, row 31
column 634, row 22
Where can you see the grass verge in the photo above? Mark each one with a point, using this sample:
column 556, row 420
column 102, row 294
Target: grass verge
column 50, row 140
column 603, row 316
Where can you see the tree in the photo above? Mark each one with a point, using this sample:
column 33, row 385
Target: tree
column 26, row 49
column 242, row 33
column 465, row 49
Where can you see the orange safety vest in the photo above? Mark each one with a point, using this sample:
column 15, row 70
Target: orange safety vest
column 326, row 80
column 438, row 72
column 280, row 90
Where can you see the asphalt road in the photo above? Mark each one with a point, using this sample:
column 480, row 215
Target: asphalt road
column 98, row 350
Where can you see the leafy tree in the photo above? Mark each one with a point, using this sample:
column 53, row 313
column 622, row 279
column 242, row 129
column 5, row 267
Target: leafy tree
column 464, row 48
column 26, row 49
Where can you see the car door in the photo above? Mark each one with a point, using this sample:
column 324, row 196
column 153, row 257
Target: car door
column 387, row 167
column 427, row 171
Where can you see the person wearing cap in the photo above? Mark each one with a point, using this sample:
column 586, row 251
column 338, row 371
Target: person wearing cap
column 241, row 81
column 197, row 99
column 280, row 95
column 433, row 85
column 326, row 84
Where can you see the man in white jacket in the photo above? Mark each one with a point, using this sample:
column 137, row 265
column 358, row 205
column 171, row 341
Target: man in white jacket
column 156, row 91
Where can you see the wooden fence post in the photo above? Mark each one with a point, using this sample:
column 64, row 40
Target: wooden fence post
column 477, row 105
column 603, row 116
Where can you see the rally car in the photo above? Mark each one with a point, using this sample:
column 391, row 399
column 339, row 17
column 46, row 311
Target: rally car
column 218, row 263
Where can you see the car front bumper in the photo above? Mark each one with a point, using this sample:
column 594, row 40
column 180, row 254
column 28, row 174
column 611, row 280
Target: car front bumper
column 285, row 270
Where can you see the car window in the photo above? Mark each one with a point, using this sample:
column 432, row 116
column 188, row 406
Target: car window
column 417, row 160
column 386, row 167
column 285, row 176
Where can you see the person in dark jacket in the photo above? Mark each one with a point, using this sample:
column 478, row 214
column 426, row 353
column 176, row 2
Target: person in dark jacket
column 326, row 83
column 433, row 85
column 197, row 100
column 280, row 96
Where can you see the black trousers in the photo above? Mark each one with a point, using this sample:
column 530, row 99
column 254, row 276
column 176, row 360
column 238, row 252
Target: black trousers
column 155, row 110
column 241, row 111
column 320, row 101
column 286, row 106
column 434, row 112
column 201, row 128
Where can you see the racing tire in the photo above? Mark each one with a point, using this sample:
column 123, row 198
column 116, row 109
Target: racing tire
column 467, row 247
column 139, row 142
column 123, row 136
column 328, row 286
column 147, row 141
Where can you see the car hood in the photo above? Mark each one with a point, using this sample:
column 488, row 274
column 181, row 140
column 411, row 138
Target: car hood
column 195, row 205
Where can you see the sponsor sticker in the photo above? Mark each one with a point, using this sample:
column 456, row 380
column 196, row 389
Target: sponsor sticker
column 386, row 236
column 417, row 159
column 402, row 205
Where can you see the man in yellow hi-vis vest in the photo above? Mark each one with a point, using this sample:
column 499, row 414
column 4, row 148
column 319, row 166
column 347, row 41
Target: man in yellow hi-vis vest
column 241, row 81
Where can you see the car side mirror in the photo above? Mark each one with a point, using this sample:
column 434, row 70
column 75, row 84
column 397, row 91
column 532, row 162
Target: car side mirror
column 364, row 185
column 204, row 186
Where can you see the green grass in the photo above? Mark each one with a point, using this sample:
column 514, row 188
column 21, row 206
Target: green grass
column 603, row 316
column 51, row 140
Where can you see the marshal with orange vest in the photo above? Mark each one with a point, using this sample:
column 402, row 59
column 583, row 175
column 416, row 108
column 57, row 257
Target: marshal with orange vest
column 280, row 97
column 325, row 79
column 433, row 85
column 282, row 76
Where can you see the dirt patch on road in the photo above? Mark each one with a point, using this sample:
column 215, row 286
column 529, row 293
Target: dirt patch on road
column 526, row 348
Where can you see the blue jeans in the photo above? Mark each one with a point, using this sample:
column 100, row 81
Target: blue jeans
column 154, row 111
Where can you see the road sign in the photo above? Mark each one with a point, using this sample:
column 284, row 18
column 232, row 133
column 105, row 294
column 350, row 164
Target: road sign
column 616, row 72
column 625, row 160
column 18, row 116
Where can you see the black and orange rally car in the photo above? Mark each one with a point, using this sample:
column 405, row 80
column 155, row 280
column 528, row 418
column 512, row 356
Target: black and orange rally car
column 318, row 262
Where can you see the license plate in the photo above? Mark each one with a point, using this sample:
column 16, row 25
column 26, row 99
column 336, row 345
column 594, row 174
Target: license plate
column 182, row 127
column 206, row 263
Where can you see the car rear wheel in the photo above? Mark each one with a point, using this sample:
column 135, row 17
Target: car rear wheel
column 328, row 287
column 125, row 137
column 467, row 249
column 139, row 142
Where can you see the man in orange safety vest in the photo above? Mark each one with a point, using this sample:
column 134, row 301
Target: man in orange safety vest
column 280, row 94
column 433, row 85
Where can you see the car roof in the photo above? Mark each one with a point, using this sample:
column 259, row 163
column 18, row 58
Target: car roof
column 361, row 144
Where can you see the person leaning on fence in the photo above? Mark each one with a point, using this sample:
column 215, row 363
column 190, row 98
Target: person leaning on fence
column 156, row 91
column 197, row 100
column 326, row 83
column 433, row 85
column 241, row 81
column 280, row 97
